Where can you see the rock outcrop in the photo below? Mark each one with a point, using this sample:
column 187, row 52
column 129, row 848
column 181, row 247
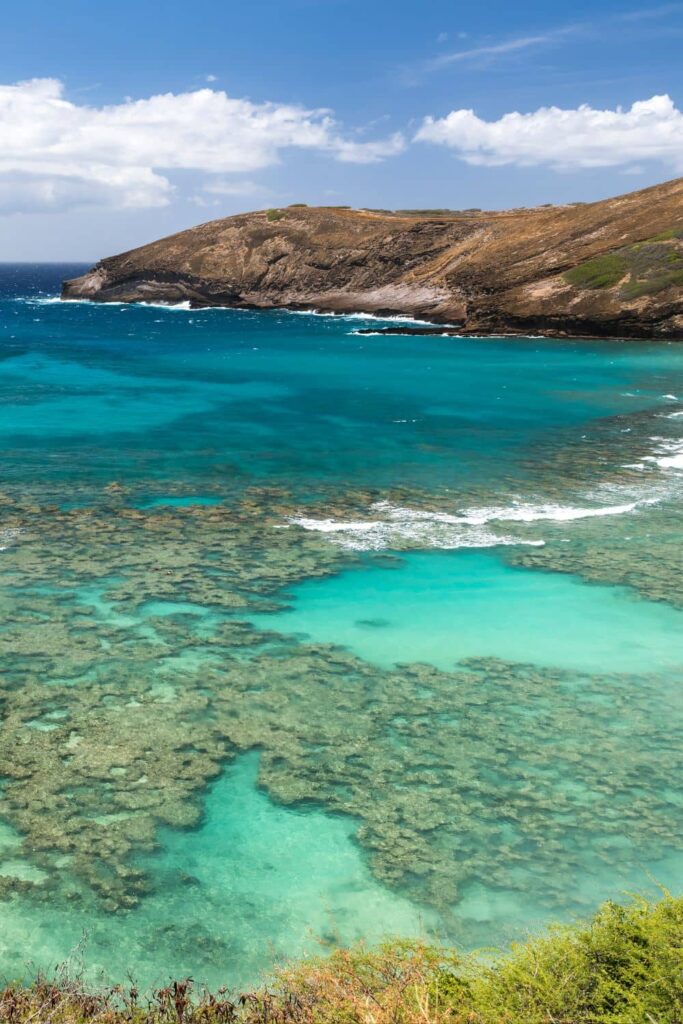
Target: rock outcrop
column 611, row 269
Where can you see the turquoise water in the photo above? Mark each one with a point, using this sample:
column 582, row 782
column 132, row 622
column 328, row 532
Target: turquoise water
column 310, row 636
column 444, row 607
column 291, row 398
column 256, row 881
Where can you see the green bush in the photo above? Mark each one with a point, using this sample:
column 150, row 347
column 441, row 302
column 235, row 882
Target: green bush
column 624, row 967
column 649, row 267
column 667, row 236
column 651, row 286
column 602, row 272
column 272, row 215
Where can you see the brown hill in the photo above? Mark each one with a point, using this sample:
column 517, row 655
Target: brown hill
column 612, row 268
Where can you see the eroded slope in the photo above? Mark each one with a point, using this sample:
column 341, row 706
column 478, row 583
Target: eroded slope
column 612, row 268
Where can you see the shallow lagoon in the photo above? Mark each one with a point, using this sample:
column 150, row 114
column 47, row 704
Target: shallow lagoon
column 199, row 795
column 442, row 607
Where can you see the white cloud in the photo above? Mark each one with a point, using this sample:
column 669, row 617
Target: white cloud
column 494, row 50
column 34, row 191
column 55, row 153
column 227, row 187
column 367, row 152
column 584, row 137
column 487, row 53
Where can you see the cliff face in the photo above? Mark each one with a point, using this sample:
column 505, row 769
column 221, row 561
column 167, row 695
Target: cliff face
column 612, row 268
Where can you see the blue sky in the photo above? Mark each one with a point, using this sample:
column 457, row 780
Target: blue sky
column 93, row 167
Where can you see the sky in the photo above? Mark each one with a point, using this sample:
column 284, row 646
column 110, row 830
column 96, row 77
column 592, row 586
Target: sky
column 127, row 121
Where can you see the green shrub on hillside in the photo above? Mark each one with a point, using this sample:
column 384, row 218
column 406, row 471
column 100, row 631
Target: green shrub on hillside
column 652, row 285
column 272, row 215
column 642, row 269
column 667, row 236
column 602, row 272
column 625, row 966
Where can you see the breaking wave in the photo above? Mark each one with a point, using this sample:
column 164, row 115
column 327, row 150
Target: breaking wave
column 395, row 319
column 668, row 454
column 406, row 527
column 395, row 526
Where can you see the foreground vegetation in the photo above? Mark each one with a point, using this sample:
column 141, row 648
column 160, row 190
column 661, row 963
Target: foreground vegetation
column 625, row 966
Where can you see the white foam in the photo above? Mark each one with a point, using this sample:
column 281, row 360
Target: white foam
column 669, row 455
column 169, row 306
column 671, row 461
column 399, row 532
column 51, row 300
column 395, row 526
column 667, row 452
column 515, row 513
column 7, row 538
column 333, row 525
column 185, row 306
column 55, row 300
column 451, row 331
column 392, row 319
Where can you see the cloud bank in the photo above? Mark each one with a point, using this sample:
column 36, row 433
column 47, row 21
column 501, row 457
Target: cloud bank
column 55, row 153
column 565, row 139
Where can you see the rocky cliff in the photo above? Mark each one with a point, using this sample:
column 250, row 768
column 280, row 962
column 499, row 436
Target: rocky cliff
column 612, row 268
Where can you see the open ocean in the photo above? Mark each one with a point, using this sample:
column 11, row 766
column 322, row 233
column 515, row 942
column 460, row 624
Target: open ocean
column 310, row 636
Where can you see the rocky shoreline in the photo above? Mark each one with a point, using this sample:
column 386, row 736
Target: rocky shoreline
column 462, row 332
column 611, row 269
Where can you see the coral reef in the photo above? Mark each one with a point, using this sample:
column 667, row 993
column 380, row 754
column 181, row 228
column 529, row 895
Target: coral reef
column 133, row 678
column 132, row 675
